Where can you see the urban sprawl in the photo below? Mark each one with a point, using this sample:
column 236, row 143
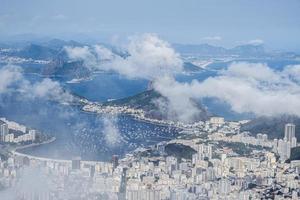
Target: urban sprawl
column 211, row 160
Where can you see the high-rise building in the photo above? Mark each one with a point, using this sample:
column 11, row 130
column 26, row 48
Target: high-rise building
column 275, row 145
column 294, row 142
column 289, row 132
column 284, row 149
column 115, row 161
column 3, row 130
column 76, row 163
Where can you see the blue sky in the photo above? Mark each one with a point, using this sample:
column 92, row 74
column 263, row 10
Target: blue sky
column 226, row 23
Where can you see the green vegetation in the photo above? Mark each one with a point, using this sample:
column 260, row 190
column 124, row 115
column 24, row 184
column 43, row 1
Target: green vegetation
column 148, row 153
column 179, row 151
column 239, row 147
column 295, row 153
column 150, row 102
column 143, row 100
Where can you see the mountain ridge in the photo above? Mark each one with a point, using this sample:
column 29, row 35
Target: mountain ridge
column 147, row 101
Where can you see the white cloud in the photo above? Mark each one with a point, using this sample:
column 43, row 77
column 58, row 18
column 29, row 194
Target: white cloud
column 255, row 42
column 12, row 79
column 180, row 105
column 212, row 38
column 9, row 74
column 292, row 72
column 112, row 136
column 246, row 87
column 50, row 89
column 83, row 54
column 104, row 53
column 149, row 57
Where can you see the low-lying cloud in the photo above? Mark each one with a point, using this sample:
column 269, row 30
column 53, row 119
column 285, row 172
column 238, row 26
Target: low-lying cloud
column 148, row 57
column 254, row 88
column 9, row 75
column 112, row 136
column 12, row 79
column 180, row 105
column 247, row 88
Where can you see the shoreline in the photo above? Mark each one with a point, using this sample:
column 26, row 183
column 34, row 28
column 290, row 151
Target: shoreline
column 15, row 152
column 139, row 118
column 52, row 139
column 145, row 120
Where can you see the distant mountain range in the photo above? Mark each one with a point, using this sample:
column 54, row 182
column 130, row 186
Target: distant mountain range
column 58, row 63
column 247, row 50
column 48, row 48
column 147, row 101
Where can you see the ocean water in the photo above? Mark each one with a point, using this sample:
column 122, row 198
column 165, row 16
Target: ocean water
column 105, row 86
column 80, row 133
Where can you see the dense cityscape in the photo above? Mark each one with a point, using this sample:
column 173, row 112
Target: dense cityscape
column 215, row 161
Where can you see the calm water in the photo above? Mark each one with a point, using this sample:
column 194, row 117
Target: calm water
column 79, row 133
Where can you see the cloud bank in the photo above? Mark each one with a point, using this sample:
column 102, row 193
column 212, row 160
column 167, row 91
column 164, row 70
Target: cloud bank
column 149, row 57
column 9, row 75
column 180, row 105
column 247, row 88
column 254, row 88
column 12, row 79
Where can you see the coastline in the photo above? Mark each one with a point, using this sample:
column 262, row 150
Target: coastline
column 15, row 152
column 52, row 139
column 135, row 116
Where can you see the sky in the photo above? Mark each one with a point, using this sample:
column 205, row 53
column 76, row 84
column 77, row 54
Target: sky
column 225, row 23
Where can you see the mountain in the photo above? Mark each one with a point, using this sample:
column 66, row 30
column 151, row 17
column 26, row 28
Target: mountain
column 190, row 67
column 58, row 44
column 148, row 101
column 201, row 49
column 37, row 52
column 61, row 66
column 248, row 50
column 272, row 126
